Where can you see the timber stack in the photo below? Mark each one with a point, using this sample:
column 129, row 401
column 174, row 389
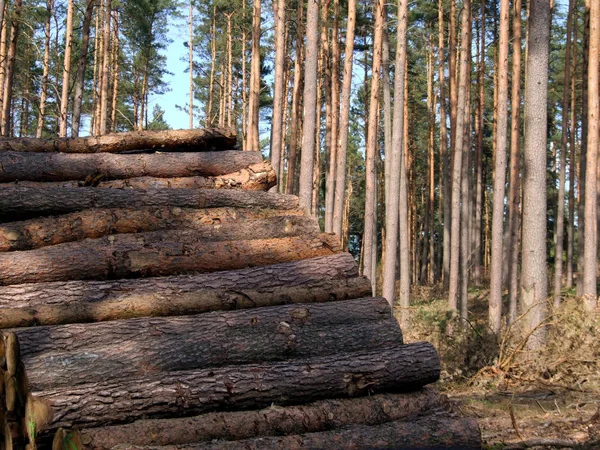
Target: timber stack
column 158, row 296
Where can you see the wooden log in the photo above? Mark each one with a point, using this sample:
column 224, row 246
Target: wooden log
column 426, row 433
column 169, row 140
column 273, row 421
column 251, row 386
column 94, row 223
column 321, row 279
column 257, row 177
column 16, row 166
column 18, row 203
column 156, row 254
column 69, row 355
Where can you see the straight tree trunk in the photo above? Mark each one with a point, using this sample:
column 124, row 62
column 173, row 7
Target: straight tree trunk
column 372, row 147
column 105, row 69
column 452, row 73
column 115, row 65
column 457, row 164
column 64, row 98
column 512, row 243
column 495, row 303
column 229, row 88
column 340, row 171
column 314, row 280
column 590, row 254
column 213, row 47
column 534, row 282
column 252, row 139
column 82, row 64
column 310, row 105
column 560, row 210
column 191, row 62
column 10, row 68
column 279, row 102
column 3, row 53
column 45, row 70
column 95, row 80
column 395, row 225
column 572, row 161
column 257, row 385
column 318, row 416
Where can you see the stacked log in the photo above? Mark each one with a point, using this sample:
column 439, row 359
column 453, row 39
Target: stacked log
column 162, row 297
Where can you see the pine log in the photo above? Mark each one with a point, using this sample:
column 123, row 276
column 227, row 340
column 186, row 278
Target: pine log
column 69, row 355
column 257, row 177
column 273, row 421
column 251, row 386
column 18, row 203
column 169, row 140
column 157, row 254
column 94, row 223
column 322, row 279
column 16, row 166
column 426, row 433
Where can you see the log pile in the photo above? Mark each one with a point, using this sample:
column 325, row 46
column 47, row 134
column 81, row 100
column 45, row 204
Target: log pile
column 162, row 297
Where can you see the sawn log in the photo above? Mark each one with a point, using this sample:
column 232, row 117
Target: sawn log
column 321, row 279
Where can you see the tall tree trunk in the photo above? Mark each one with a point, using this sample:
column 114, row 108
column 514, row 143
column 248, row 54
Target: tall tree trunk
column 213, row 48
column 370, row 233
column 340, row 171
column 534, row 282
column 105, row 69
column 191, row 61
column 386, row 90
column 512, row 242
column 46, row 68
column 95, row 80
column 252, row 138
column 80, row 78
column 279, row 102
column 461, row 112
column 10, row 68
column 229, row 90
column 572, row 160
column 590, row 251
column 495, row 302
column 560, row 210
column 3, row 51
column 396, row 208
column 115, row 64
column 64, row 98
column 452, row 72
column 310, row 105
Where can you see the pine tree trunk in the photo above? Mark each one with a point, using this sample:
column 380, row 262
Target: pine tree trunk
column 3, row 52
column 252, row 139
column 64, row 99
column 79, row 80
column 572, row 160
column 105, row 69
column 45, row 70
column 213, row 47
column 115, row 65
column 10, row 69
column 534, row 282
column 279, row 102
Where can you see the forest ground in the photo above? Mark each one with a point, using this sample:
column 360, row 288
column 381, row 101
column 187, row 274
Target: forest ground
column 519, row 399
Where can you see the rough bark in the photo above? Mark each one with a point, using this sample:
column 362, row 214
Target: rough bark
column 252, row 138
column 64, row 99
column 208, row 139
column 534, row 277
column 156, row 395
column 257, row 177
column 45, row 70
column 81, row 69
column 279, row 102
column 105, row 70
column 314, row 280
column 63, row 167
column 18, row 202
column 95, row 223
column 318, row 416
column 423, row 433
column 10, row 68
column 69, row 355
column 161, row 253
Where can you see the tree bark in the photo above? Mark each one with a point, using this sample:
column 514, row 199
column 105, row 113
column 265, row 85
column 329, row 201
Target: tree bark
column 162, row 253
column 94, row 223
column 209, row 139
column 534, row 277
column 425, row 432
column 115, row 65
column 102, row 128
column 66, row 167
column 249, row 386
column 252, row 138
column 318, row 416
column 257, row 177
column 279, row 102
column 79, row 80
column 70, row 355
column 64, row 98
column 17, row 203
column 321, row 279
column 10, row 68
column 45, row 70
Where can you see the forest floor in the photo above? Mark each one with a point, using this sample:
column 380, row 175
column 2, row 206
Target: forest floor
column 550, row 400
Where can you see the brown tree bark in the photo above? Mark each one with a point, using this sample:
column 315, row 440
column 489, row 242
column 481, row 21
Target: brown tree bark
column 17, row 203
column 252, row 138
column 70, row 355
column 249, row 386
column 279, row 102
column 67, row 167
column 318, row 416
column 321, row 279
column 103, row 113
column 158, row 254
column 79, row 80
column 209, row 139
column 257, row 177
column 534, row 277
column 46, row 68
column 444, row 152
column 115, row 67
column 425, row 432
column 64, row 98
column 10, row 69
column 94, row 223
column 213, row 47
